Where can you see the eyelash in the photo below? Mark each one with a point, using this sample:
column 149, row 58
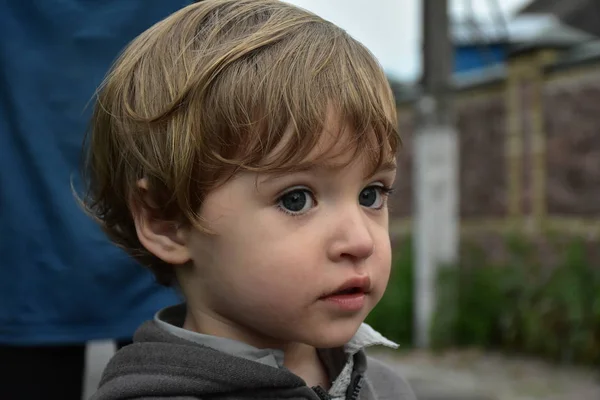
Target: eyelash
column 385, row 190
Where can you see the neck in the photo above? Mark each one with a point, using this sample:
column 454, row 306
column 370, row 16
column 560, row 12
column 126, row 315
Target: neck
column 301, row 359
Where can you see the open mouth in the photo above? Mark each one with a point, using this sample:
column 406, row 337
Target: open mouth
column 352, row 290
column 352, row 299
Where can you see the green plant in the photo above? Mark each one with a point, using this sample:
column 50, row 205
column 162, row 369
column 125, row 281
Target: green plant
column 393, row 316
column 526, row 303
column 521, row 305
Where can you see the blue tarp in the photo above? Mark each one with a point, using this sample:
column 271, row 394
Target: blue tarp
column 60, row 279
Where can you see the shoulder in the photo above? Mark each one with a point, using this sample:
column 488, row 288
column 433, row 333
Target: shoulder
column 385, row 383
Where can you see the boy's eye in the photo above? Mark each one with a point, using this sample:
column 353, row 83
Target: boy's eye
column 297, row 201
column 372, row 197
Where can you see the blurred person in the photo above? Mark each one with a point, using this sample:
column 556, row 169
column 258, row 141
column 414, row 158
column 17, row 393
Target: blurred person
column 63, row 283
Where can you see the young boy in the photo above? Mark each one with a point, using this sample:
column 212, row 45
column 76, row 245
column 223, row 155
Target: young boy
column 243, row 150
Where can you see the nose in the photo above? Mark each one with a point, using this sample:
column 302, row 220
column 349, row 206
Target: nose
column 352, row 238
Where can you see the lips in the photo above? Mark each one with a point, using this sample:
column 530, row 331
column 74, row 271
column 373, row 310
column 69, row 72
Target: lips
column 350, row 297
column 354, row 285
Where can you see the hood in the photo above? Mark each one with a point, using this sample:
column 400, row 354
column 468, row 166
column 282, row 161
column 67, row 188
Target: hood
column 159, row 365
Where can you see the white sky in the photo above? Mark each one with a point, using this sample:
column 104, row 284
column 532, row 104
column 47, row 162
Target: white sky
column 391, row 29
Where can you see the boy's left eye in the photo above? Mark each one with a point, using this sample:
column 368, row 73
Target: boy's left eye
column 373, row 197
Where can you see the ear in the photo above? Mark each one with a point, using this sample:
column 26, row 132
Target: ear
column 164, row 239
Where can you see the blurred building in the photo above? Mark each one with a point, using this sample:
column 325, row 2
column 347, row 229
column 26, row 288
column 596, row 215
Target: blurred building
column 526, row 107
column 580, row 14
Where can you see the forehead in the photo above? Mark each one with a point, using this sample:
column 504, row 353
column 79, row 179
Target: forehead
column 338, row 144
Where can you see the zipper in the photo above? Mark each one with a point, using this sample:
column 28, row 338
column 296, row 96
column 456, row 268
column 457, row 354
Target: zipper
column 356, row 387
column 323, row 395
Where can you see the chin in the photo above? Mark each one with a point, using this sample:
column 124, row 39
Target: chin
column 336, row 334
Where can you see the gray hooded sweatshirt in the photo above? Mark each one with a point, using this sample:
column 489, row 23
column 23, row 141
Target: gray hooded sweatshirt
column 162, row 364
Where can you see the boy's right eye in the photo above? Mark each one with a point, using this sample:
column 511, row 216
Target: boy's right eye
column 296, row 201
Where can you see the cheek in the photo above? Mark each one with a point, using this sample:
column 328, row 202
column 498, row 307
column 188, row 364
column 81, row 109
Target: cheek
column 382, row 263
column 260, row 258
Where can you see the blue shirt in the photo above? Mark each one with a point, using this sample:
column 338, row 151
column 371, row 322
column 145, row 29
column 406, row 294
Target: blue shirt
column 61, row 280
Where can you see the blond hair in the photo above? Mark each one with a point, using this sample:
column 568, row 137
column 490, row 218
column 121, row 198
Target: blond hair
column 210, row 91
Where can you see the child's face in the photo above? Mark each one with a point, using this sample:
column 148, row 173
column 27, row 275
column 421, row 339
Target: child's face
column 281, row 244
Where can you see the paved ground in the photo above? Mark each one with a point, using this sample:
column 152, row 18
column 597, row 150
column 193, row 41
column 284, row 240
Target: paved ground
column 98, row 354
column 482, row 376
column 466, row 375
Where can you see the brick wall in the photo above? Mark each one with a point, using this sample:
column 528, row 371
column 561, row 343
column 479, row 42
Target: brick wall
column 569, row 147
column 481, row 123
column 572, row 127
